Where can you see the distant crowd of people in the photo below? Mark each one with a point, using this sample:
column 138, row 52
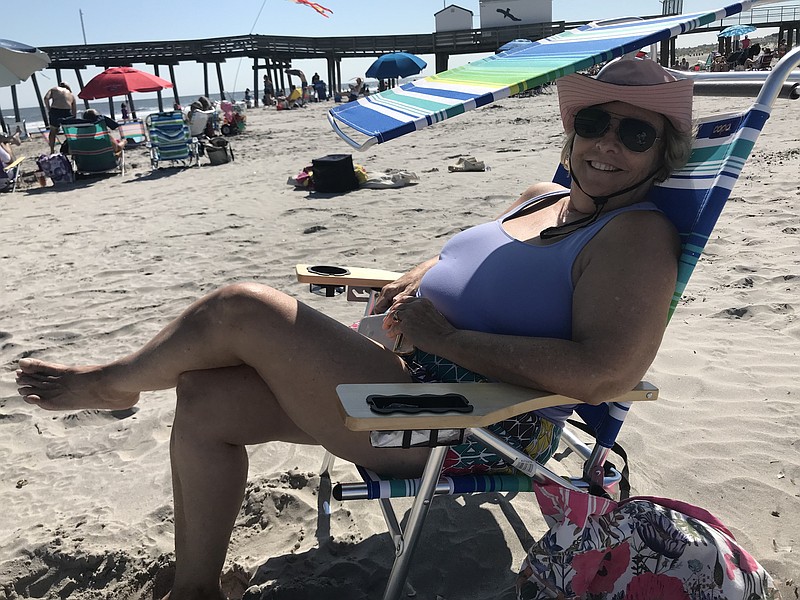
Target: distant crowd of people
column 747, row 56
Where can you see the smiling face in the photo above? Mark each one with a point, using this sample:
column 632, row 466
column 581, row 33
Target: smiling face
column 604, row 165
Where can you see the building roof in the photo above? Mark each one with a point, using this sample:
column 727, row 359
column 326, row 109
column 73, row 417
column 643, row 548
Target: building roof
column 453, row 6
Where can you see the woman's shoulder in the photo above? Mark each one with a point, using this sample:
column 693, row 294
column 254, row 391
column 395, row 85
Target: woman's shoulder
column 539, row 189
column 534, row 191
column 644, row 230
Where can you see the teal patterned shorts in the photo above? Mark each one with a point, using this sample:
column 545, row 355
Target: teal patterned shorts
column 528, row 432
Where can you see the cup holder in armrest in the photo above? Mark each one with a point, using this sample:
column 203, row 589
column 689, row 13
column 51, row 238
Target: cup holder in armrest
column 329, row 270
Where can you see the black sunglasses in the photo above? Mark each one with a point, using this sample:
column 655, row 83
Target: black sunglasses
column 635, row 135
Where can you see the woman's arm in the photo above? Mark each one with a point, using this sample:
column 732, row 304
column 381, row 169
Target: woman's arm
column 406, row 284
column 626, row 278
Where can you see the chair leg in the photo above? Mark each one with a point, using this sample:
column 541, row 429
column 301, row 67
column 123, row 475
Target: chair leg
column 396, row 533
column 405, row 546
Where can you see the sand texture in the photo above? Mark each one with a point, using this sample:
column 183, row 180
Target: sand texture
column 92, row 270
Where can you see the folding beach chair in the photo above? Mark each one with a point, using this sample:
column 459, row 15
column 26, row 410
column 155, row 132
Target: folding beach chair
column 170, row 140
column 9, row 175
column 693, row 199
column 132, row 131
column 91, row 148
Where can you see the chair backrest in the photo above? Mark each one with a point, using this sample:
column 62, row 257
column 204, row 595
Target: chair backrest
column 133, row 131
column 692, row 198
column 90, row 146
column 199, row 120
column 169, row 135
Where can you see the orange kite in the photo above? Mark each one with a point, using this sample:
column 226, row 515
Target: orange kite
column 317, row 7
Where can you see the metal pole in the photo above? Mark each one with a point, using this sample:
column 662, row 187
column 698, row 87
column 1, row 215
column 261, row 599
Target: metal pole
column 83, row 29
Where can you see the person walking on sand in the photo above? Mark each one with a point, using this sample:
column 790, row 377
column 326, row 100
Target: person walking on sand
column 60, row 103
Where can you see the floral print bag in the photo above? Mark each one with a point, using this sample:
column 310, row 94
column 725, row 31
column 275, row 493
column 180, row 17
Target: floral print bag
column 643, row 548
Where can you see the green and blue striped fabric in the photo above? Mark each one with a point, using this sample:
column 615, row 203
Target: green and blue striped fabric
column 380, row 487
column 90, row 147
column 694, row 196
column 413, row 106
column 170, row 138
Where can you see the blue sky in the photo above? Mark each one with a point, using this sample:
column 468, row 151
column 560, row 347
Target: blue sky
column 51, row 22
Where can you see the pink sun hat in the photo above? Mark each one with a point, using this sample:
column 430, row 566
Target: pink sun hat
column 640, row 82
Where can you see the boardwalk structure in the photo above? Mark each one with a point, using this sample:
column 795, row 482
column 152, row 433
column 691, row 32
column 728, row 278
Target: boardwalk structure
column 273, row 55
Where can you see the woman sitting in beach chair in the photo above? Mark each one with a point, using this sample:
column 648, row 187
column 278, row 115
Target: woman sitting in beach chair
column 587, row 274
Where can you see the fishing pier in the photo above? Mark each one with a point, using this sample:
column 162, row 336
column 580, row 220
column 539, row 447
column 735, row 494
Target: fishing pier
column 273, row 55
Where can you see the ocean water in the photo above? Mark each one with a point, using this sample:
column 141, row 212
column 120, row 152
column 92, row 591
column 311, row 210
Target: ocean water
column 32, row 115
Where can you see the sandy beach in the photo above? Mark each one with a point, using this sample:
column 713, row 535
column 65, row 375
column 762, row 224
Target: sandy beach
column 90, row 271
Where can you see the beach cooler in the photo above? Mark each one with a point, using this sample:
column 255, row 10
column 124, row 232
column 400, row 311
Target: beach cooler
column 334, row 173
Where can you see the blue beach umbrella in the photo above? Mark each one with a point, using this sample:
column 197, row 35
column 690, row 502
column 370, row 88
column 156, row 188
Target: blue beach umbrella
column 735, row 30
column 19, row 61
column 397, row 64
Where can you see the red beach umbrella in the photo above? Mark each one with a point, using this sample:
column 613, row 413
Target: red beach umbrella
column 120, row 81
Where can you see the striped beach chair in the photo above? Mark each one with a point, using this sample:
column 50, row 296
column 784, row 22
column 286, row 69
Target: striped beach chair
column 91, row 148
column 693, row 199
column 170, row 140
column 132, row 131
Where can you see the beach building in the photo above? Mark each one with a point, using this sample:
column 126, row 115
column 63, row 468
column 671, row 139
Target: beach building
column 502, row 13
column 453, row 18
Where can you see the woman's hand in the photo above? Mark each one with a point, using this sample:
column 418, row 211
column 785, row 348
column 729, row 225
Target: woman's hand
column 406, row 285
column 418, row 321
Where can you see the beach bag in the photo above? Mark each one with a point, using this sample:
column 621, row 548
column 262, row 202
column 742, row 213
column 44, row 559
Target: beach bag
column 219, row 151
column 57, row 167
column 334, row 173
column 643, row 548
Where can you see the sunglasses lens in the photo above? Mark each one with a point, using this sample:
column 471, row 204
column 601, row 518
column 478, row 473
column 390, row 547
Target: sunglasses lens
column 637, row 135
column 591, row 122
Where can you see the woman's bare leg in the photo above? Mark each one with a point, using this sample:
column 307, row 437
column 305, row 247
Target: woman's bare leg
column 299, row 356
column 298, row 352
column 218, row 412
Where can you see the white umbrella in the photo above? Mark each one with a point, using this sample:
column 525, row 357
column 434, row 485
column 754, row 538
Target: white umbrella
column 19, row 61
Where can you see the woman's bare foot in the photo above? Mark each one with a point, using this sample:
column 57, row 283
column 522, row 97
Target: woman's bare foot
column 57, row 387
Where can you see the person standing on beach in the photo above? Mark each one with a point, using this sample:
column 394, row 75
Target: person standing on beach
column 269, row 91
column 60, row 103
